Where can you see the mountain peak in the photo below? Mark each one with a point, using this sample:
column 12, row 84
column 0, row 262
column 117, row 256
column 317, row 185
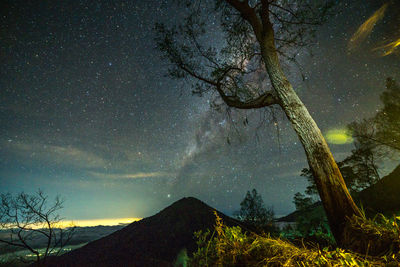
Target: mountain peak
column 152, row 241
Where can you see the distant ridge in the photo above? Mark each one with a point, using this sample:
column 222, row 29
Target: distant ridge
column 291, row 217
column 382, row 197
column 153, row 241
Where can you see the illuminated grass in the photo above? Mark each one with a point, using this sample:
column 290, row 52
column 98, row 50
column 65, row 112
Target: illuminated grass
column 229, row 246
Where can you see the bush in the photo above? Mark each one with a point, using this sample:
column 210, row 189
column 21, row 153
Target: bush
column 377, row 236
column 229, row 246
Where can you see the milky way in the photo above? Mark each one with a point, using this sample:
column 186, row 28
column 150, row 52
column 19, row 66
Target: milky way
column 87, row 112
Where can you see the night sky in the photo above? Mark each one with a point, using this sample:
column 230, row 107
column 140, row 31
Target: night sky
column 87, row 112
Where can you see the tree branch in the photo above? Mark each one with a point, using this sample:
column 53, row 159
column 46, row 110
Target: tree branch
column 22, row 213
column 264, row 12
column 11, row 243
column 264, row 100
column 195, row 75
column 248, row 13
column 379, row 142
column 26, row 245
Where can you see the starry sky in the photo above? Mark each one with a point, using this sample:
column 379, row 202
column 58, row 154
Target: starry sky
column 87, row 112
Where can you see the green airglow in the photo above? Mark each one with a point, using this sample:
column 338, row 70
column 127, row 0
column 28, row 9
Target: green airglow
column 338, row 136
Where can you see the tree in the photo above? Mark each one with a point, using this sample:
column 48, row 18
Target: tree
column 382, row 132
column 359, row 169
column 302, row 202
column 375, row 138
column 246, row 73
column 387, row 119
column 27, row 218
column 253, row 211
column 311, row 221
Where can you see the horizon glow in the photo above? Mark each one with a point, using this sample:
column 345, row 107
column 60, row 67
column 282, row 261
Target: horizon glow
column 97, row 222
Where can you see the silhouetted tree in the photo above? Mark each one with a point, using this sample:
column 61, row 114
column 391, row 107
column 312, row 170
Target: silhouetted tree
column 246, row 73
column 29, row 217
column 362, row 168
column 253, row 211
column 359, row 170
column 373, row 138
column 311, row 221
column 388, row 119
column 383, row 130
column 302, row 202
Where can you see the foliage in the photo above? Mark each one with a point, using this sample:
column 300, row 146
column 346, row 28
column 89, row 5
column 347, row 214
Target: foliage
column 359, row 170
column 374, row 138
column 253, row 212
column 375, row 236
column 302, row 202
column 229, row 246
column 181, row 259
column 311, row 222
column 28, row 217
column 387, row 119
column 233, row 66
column 382, row 131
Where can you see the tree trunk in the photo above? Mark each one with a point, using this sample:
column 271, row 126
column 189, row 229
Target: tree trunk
column 336, row 199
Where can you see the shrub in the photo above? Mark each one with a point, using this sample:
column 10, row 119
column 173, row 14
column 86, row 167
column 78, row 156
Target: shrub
column 229, row 246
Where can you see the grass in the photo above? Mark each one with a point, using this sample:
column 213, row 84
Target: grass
column 229, row 246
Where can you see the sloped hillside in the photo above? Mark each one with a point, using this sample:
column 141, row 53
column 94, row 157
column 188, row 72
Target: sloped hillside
column 153, row 241
column 384, row 196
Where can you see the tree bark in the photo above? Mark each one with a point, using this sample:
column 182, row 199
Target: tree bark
column 336, row 199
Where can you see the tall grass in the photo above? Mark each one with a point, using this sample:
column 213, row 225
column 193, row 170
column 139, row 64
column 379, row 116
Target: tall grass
column 229, row 246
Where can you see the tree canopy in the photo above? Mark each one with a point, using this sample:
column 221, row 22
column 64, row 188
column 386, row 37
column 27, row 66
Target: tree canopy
column 253, row 210
column 359, row 169
column 382, row 131
column 232, row 65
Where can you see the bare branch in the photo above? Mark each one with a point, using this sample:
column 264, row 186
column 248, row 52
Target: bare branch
column 248, row 13
column 264, row 100
column 264, row 12
column 26, row 245
column 12, row 243
column 27, row 217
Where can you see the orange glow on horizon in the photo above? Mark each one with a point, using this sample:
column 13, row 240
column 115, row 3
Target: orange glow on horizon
column 78, row 223
column 96, row 222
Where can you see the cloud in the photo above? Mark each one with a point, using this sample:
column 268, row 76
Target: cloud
column 54, row 154
column 137, row 175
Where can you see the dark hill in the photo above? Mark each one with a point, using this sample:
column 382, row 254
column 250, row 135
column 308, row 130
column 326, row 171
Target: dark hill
column 152, row 241
column 382, row 197
column 291, row 217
